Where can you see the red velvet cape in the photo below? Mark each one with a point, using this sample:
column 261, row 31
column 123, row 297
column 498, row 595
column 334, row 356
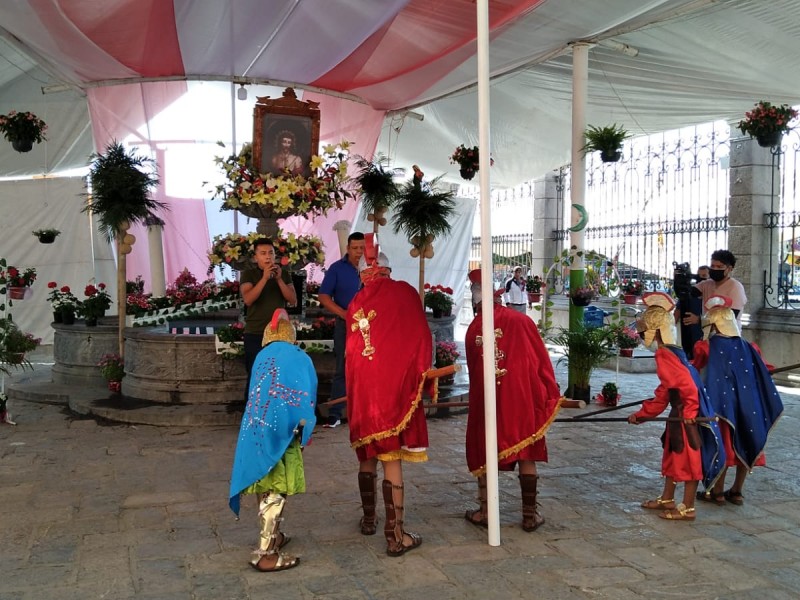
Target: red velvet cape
column 527, row 395
column 384, row 389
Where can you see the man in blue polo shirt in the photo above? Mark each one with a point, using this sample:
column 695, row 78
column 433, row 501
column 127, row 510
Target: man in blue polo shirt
column 340, row 284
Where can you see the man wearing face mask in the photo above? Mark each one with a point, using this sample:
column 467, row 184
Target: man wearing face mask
column 720, row 283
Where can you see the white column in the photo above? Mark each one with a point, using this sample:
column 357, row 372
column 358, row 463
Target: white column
column 342, row 229
column 580, row 81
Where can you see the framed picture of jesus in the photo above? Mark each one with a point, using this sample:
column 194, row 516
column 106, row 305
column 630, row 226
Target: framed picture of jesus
column 285, row 135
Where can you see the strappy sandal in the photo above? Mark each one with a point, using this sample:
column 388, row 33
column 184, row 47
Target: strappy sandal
column 471, row 515
column 679, row 513
column 712, row 497
column 734, row 497
column 658, row 504
column 283, row 563
column 396, row 548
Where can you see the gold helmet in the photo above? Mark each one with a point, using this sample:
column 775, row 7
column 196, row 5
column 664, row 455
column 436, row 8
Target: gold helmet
column 719, row 318
column 279, row 329
column 658, row 317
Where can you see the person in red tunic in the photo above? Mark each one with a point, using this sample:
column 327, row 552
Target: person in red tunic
column 388, row 354
column 528, row 399
column 679, row 386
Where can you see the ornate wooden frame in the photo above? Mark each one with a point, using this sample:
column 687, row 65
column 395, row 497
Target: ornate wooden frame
column 270, row 117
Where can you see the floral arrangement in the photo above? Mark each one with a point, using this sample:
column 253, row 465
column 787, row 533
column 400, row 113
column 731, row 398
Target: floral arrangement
column 234, row 249
column 283, row 195
column 438, row 297
column 312, row 288
column 61, row 298
column 583, row 293
column 23, row 126
column 231, row 333
column 767, row 118
column 320, row 329
column 632, row 286
column 186, row 289
column 609, row 395
column 112, row 367
column 15, row 343
column 13, row 277
column 533, row 284
column 466, row 158
column 97, row 301
column 446, row 354
column 627, row 337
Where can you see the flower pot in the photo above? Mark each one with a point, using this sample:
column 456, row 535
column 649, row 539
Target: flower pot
column 580, row 301
column 534, row 297
column 626, row 352
column 68, row 317
column 22, row 145
column 115, row 386
column 57, row 317
column 91, row 321
column 47, row 238
column 610, row 156
column 576, row 392
column 437, row 313
column 629, row 298
column 768, row 140
column 611, row 401
column 467, row 173
column 16, row 293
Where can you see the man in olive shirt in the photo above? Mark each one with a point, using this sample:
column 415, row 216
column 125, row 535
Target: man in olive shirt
column 263, row 289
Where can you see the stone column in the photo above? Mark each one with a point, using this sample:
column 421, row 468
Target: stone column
column 156, row 246
column 751, row 195
column 342, row 229
column 545, row 222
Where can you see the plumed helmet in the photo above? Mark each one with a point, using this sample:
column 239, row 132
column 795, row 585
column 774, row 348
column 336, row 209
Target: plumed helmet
column 279, row 329
column 658, row 317
column 719, row 317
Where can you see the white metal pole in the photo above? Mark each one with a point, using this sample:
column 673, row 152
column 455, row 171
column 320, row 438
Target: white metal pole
column 487, row 289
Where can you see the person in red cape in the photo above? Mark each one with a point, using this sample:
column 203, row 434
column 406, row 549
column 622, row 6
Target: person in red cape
column 528, row 399
column 690, row 453
column 388, row 353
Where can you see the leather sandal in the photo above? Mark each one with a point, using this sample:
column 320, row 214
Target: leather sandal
column 734, row 497
column 399, row 548
column 679, row 513
column 713, row 497
column 472, row 517
column 283, row 563
column 658, row 504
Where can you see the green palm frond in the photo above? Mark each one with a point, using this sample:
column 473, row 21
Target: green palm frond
column 121, row 189
column 421, row 212
column 378, row 189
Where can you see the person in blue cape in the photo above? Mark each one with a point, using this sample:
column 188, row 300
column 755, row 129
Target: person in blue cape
column 276, row 425
column 742, row 393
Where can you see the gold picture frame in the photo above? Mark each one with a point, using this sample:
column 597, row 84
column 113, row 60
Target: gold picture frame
column 285, row 134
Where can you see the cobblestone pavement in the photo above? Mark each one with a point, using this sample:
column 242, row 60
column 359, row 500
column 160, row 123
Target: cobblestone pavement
column 98, row 510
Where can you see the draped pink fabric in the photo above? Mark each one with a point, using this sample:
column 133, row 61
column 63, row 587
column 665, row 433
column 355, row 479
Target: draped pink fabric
column 122, row 111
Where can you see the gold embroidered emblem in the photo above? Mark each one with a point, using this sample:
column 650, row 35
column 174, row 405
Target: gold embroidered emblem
column 498, row 354
column 362, row 324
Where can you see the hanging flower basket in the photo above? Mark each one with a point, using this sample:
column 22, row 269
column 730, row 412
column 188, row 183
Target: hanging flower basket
column 17, row 293
column 769, row 140
column 22, row 145
column 22, row 129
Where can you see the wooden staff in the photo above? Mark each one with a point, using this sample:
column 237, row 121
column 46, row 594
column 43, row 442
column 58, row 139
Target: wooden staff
column 610, row 409
column 429, row 374
column 640, row 419
column 786, row 368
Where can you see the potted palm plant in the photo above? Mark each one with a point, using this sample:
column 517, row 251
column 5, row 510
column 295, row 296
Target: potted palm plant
column 378, row 189
column 607, row 140
column 422, row 214
column 586, row 349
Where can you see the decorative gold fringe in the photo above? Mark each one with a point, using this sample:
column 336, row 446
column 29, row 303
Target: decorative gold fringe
column 503, row 454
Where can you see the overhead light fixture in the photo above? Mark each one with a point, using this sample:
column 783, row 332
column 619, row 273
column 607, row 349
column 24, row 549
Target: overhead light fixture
column 241, row 93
